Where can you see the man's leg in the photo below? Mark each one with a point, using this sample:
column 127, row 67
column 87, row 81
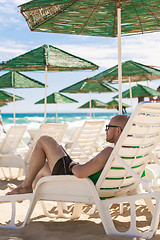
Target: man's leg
column 46, row 149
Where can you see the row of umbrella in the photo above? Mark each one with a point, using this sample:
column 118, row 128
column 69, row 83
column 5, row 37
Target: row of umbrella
column 107, row 18
column 139, row 91
column 132, row 72
column 49, row 58
column 114, row 104
column 18, row 80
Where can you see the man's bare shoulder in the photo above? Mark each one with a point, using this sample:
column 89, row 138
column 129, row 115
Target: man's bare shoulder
column 108, row 149
column 104, row 154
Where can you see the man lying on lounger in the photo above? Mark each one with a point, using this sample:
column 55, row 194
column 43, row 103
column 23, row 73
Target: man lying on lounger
column 49, row 158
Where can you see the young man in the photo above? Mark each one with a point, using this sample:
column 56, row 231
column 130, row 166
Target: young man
column 57, row 158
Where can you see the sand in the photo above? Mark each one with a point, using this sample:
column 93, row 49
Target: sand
column 88, row 227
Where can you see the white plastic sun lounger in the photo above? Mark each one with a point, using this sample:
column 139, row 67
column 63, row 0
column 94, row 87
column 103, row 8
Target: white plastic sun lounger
column 12, row 159
column 85, row 142
column 10, row 147
column 55, row 130
column 118, row 181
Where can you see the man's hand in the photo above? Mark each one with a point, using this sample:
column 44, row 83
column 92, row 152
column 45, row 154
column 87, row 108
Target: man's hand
column 71, row 165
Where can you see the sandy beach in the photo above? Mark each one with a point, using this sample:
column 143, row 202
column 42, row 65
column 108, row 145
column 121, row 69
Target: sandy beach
column 87, row 227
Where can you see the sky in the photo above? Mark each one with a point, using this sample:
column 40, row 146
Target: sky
column 16, row 39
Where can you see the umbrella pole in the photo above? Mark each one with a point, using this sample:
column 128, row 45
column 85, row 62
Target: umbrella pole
column 56, row 114
column 45, row 99
column 130, row 90
column 90, row 104
column 14, row 106
column 119, row 59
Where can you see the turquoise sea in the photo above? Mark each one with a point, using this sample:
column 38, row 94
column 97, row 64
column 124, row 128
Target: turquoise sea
column 31, row 118
column 34, row 120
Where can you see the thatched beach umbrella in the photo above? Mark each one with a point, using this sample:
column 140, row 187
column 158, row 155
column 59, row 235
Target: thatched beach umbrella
column 57, row 98
column 88, row 86
column 47, row 58
column 2, row 104
column 94, row 103
column 131, row 72
column 18, row 80
column 108, row 18
column 114, row 104
column 6, row 97
column 139, row 92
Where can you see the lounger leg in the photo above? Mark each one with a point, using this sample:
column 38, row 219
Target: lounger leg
column 10, row 173
column 77, row 211
column 132, row 231
column 60, row 207
column 92, row 210
column 150, row 205
column 3, row 172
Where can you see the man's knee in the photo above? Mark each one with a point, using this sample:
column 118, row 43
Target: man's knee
column 45, row 139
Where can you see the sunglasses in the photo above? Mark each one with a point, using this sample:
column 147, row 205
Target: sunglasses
column 108, row 126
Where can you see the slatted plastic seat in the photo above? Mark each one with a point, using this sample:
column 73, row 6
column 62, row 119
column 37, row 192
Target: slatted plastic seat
column 55, row 130
column 84, row 144
column 10, row 147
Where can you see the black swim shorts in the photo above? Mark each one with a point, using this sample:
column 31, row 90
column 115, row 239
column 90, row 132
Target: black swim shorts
column 62, row 166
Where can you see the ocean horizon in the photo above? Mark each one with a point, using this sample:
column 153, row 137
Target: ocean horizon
column 27, row 118
column 34, row 120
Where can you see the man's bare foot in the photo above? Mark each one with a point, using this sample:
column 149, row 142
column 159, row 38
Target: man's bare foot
column 18, row 190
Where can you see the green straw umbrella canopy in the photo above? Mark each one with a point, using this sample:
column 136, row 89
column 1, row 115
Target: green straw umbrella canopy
column 132, row 72
column 114, row 104
column 108, row 18
column 139, row 92
column 88, row 86
column 2, row 104
column 17, row 80
column 93, row 103
column 47, row 58
column 6, row 97
column 56, row 98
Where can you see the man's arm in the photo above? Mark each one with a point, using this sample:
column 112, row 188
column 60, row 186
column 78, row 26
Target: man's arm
column 94, row 165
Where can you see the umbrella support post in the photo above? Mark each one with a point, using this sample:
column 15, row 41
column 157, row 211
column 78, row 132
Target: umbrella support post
column 56, row 114
column 90, row 105
column 14, row 106
column 119, row 59
column 130, row 89
column 45, row 100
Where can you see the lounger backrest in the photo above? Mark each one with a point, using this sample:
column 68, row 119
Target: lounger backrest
column 128, row 160
column 13, row 138
column 86, row 139
column 55, row 130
